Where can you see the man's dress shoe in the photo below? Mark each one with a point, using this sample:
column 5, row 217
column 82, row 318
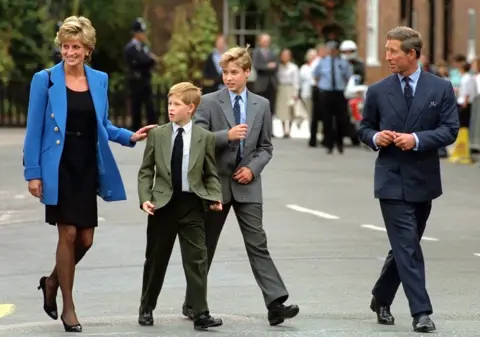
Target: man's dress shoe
column 383, row 312
column 423, row 323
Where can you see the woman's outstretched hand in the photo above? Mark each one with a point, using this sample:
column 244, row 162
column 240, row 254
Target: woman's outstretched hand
column 142, row 133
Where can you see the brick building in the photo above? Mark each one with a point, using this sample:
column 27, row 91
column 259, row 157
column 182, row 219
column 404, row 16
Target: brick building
column 448, row 27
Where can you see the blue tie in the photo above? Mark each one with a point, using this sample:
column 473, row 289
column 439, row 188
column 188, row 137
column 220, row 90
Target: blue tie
column 408, row 92
column 236, row 109
column 237, row 115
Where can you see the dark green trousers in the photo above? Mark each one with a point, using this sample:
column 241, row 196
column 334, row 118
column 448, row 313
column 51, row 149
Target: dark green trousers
column 183, row 215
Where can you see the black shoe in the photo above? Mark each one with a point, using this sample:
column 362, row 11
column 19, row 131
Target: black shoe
column 145, row 318
column 187, row 311
column 383, row 312
column 278, row 313
column 51, row 311
column 71, row 328
column 205, row 321
column 423, row 323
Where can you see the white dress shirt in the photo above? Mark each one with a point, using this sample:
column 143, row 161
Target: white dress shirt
column 306, row 80
column 187, row 140
column 467, row 89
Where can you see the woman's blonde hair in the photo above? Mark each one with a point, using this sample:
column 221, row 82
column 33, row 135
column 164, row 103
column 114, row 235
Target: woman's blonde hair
column 77, row 28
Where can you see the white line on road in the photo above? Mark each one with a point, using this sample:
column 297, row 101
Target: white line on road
column 375, row 228
column 101, row 219
column 477, row 254
column 6, row 216
column 20, row 196
column 320, row 214
column 382, row 229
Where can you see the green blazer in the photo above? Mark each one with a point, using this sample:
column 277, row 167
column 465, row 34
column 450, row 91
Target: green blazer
column 154, row 176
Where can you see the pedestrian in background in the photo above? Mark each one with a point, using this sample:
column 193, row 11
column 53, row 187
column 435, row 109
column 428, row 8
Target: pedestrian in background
column 332, row 74
column 287, row 90
column 140, row 63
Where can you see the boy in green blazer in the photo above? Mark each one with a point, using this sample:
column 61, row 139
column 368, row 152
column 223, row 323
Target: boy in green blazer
column 177, row 183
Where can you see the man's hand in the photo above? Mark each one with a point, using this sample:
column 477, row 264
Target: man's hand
column 238, row 132
column 35, row 187
column 384, row 138
column 148, row 207
column 142, row 133
column 243, row 175
column 405, row 141
column 217, row 207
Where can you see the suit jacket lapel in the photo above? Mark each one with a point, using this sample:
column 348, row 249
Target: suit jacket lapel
column 57, row 95
column 419, row 100
column 166, row 145
column 98, row 93
column 196, row 137
column 251, row 110
column 226, row 106
column 396, row 98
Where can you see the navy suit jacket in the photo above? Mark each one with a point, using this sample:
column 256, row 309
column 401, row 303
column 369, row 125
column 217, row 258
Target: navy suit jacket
column 45, row 134
column 412, row 176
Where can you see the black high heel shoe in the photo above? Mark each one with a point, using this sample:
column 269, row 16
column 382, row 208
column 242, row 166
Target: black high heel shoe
column 51, row 311
column 71, row 328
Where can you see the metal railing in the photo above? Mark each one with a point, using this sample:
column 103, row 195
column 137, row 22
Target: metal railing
column 14, row 97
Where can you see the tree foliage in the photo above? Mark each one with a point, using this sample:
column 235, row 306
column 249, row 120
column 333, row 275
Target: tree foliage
column 191, row 43
column 26, row 37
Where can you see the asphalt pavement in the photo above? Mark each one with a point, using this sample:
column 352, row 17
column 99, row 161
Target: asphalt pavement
column 325, row 234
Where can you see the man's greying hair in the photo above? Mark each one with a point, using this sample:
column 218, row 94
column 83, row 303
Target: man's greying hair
column 409, row 39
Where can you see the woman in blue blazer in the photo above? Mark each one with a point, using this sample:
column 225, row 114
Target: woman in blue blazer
column 67, row 158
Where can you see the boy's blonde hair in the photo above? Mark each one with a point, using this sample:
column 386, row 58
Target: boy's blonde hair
column 238, row 55
column 187, row 92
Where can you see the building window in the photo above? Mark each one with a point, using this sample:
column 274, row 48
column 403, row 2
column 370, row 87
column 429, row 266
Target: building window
column 472, row 29
column 246, row 26
column 372, row 34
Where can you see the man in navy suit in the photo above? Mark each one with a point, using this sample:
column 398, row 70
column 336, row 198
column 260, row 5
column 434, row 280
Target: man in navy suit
column 407, row 117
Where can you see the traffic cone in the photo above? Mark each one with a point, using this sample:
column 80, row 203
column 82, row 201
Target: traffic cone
column 461, row 149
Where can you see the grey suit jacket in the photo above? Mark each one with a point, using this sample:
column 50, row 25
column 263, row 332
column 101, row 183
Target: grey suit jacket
column 215, row 113
column 413, row 176
column 265, row 75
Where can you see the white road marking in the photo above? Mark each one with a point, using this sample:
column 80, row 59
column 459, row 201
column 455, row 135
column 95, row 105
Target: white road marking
column 101, row 219
column 6, row 216
column 375, row 228
column 320, row 214
column 20, row 196
column 382, row 229
column 477, row 254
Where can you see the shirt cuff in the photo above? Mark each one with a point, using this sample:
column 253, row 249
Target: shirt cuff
column 417, row 143
column 374, row 142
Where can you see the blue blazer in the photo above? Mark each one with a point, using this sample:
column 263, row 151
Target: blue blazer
column 412, row 176
column 45, row 134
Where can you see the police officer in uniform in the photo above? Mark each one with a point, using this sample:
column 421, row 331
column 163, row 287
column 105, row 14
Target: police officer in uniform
column 140, row 63
column 349, row 51
column 332, row 74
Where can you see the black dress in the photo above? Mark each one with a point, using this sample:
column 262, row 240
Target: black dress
column 78, row 172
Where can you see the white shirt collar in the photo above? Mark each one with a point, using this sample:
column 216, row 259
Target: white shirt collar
column 413, row 77
column 186, row 128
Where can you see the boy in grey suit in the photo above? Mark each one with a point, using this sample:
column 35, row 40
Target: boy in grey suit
column 242, row 124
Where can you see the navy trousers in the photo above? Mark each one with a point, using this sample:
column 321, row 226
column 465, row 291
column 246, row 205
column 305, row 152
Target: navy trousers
column 405, row 223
